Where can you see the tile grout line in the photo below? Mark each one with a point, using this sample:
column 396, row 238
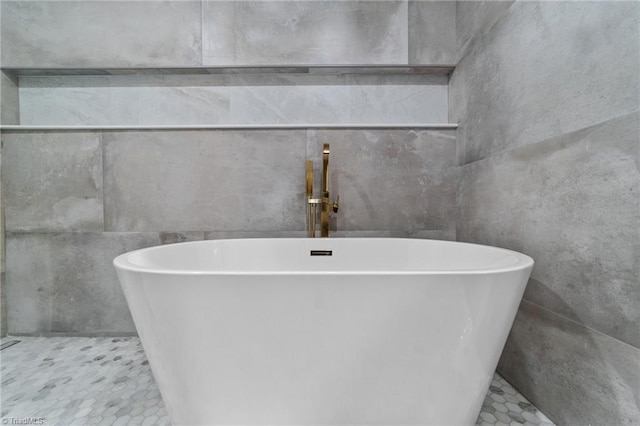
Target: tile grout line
column 580, row 324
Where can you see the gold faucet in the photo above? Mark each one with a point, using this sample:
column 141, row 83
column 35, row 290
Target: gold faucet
column 324, row 201
column 311, row 202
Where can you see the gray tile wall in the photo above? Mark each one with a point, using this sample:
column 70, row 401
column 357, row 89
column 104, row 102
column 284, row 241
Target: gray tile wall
column 571, row 203
column 220, row 33
column 475, row 18
column 101, row 33
column 579, row 375
column 74, row 200
column 529, row 86
column 547, row 97
column 234, row 99
column 8, row 115
column 9, row 104
column 3, row 293
column 204, row 180
column 74, row 289
column 432, row 32
column 54, row 181
column 327, row 32
column 393, row 180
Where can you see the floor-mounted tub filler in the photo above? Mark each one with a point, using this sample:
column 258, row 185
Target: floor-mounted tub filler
column 308, row 331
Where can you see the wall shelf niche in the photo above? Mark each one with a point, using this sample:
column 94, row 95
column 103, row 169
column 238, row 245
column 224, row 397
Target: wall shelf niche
column 226, row 98
column 379, row 126
column 232, row 70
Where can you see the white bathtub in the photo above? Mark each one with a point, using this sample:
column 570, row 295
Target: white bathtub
column 383, row 331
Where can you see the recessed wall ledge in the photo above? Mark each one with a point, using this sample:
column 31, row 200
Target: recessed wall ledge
column 428, row 126
column 235, row 69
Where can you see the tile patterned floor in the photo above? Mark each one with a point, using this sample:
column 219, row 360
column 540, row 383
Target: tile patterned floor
column 71, row 381
column 504, row 405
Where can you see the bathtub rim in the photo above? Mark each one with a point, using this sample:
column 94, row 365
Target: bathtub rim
column 121, row 262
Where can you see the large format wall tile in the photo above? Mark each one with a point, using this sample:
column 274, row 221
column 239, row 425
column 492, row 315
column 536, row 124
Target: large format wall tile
column 341, row 99
column 437, row 234
column 238, row 99
column 2, row 250
column 52, row 181
column 520, row 85
column 3, row 305
column 474, row 19
column 74, row 288
column 304, row 32
column 280, row 99
column 389, row 180
column 572, row 203
column 101, row 33
column 432, row 32
column 204, row 180
column 9, row 101
column 3, row 292
column 399, row 99
column 545, row 97
column 123, row 100
column 580, row 376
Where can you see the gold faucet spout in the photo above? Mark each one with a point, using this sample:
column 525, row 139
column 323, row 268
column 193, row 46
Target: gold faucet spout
column 325, row 170
column 324, row 209
column 325, row 203
column 309, row 178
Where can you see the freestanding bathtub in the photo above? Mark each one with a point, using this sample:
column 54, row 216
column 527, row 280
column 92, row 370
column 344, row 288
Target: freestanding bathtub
column 378, row 331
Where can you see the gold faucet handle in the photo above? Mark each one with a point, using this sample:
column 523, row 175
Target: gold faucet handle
column 309, row 178
column 325, row 170
column 336, row 204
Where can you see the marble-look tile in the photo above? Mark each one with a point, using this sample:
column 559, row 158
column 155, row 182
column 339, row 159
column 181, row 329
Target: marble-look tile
column 3, row 306
column 180, row 105
column 72, row 381
column 3, row 291
column 105, row 100
column 474, row 19
column 74, row 289
column 571, row 203
column 341, row 99
column 234, row 99
column 544, row 355
column 304, row 32
column 181, row 237
column 101, row 33
column 225, row 235
column 389, row 180
column 9, row 100
column 432, row 32
column 80, row 100
column 504, row 406
column 437, row 234
column 448, row 234
column 399, row 102
column 52, row 181
column 2, row 251
column 204, row 180
column 291, row 99
column 520, row 85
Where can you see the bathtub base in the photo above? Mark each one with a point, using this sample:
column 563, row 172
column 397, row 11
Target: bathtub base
column 288, row 352
column 384, row 332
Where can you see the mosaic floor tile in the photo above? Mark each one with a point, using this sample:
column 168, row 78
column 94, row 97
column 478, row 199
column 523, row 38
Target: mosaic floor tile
column 504, row 405
column 70, row 381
